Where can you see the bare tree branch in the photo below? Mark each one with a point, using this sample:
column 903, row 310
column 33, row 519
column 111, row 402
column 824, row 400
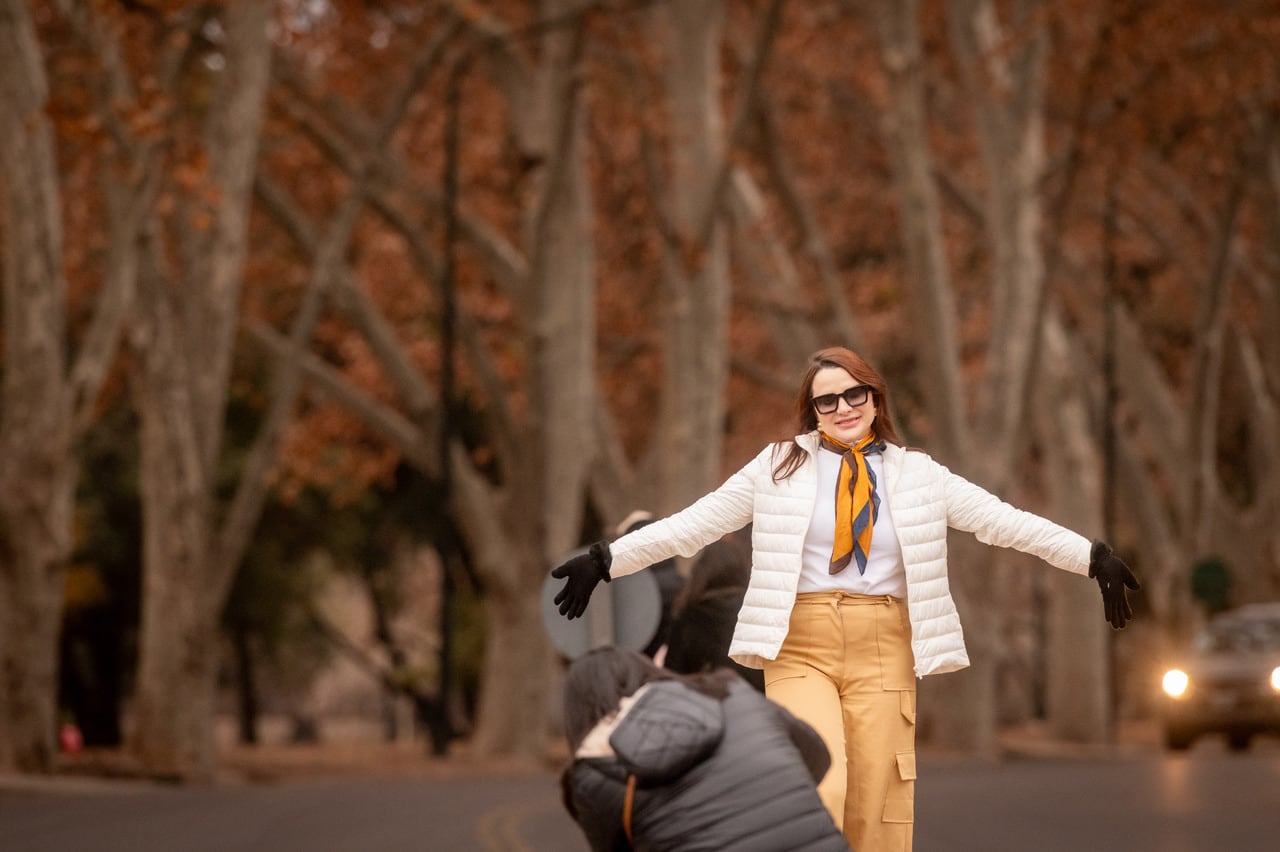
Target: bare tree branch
column 740, row 124
column 806, row 221
column 611, row 479
column 771, row 271
column 130, row 190
column 1004, row 78
column 961, row 198
column 392, row 355
column 920, row 221
column 763, row 376
column 327, row 263
column 1207, row 360
column 504, row 261
column 391, row 425
column 251, row 490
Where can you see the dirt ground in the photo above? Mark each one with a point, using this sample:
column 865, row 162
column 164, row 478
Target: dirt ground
column 275, row 762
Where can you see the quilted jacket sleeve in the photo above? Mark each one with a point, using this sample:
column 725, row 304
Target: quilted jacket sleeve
column 995, row 522
column 595, row 801
column 724, row 510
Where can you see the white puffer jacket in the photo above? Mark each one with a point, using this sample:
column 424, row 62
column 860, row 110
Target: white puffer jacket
column 925, row 499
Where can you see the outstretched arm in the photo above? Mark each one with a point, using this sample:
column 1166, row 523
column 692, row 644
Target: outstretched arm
column 993, row 521
column 976, row 510
column 724, row 510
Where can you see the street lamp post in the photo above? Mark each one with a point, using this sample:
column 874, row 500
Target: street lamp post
column 1109, row 448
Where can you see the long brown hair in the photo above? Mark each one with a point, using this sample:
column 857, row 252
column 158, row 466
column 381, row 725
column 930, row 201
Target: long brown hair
column 807, row 418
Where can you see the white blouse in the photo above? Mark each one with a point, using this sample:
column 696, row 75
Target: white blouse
column 885, row 574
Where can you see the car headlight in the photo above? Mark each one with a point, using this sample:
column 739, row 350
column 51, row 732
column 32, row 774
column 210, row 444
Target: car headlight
column 1275, row 679
column 1175, row 682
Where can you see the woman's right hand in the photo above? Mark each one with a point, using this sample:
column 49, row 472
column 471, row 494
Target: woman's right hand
column 583, row 571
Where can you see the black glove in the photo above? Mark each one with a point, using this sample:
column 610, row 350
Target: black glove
column 1112, row 576
column 583, row 571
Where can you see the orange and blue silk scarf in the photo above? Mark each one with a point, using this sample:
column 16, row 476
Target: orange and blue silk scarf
column 857, row 503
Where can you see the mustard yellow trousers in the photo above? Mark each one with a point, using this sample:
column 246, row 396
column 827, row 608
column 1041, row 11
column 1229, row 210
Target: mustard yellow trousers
column 846, row 668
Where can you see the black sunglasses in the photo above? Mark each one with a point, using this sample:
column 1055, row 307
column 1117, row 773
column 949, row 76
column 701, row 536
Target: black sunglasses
column 854, row 396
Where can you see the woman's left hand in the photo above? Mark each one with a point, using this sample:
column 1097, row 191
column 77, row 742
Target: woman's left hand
column 1113, row 577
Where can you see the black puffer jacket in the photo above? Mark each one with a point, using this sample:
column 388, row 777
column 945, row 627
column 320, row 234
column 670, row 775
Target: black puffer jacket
column 737, row 774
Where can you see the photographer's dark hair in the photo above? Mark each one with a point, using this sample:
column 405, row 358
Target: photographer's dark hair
column 598, row 680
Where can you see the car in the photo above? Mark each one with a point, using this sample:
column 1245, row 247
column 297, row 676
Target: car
column 1228, row 682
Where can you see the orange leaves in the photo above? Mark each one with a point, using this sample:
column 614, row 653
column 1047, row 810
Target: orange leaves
column 1180, row 85
column 191, row 174
column 329, row 449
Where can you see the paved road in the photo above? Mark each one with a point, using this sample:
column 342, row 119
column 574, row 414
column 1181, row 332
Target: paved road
column 1206, row 801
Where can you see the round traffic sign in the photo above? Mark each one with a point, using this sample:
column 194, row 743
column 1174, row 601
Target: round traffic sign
column 624, row 612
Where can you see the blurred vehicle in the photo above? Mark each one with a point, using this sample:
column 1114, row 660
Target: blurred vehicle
column 1229, row 681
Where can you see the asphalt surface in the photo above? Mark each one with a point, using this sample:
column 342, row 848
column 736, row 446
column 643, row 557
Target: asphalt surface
column 1206, row 801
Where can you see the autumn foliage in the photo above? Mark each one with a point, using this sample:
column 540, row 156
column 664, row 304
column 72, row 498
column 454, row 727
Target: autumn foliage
column 1159, row 198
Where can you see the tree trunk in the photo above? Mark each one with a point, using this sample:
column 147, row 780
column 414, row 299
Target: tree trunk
column 1079, row 698
column 1004, row 78
column 543, row 501
column 514, row 692
column 695, row 275
column 1190, row 522
column 906, row 135
column 31, row 575
column 1005, row 83
column 958, row 709
column 37, row 464
column 173, row 728
column 1248, row 535
column 184, row 337
column 563, row 279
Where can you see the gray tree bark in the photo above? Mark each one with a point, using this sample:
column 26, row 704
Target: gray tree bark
column 1005, row 84
column 1004, row 70
column 517, row 528
column 37, row 465
column 905, row 128
column 1078, row 638
column 543, row 505
column 695, row 319
column 183, row 337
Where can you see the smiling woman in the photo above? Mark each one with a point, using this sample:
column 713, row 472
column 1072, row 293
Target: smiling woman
column 844, row 413
column 848, row 601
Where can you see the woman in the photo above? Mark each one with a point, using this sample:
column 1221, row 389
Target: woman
column 848, row 597
column 697, row 762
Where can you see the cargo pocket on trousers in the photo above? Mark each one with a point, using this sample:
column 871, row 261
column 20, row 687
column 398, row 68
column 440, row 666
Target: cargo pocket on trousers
column 776, row 670
column 899, row 803
column 907, row 703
